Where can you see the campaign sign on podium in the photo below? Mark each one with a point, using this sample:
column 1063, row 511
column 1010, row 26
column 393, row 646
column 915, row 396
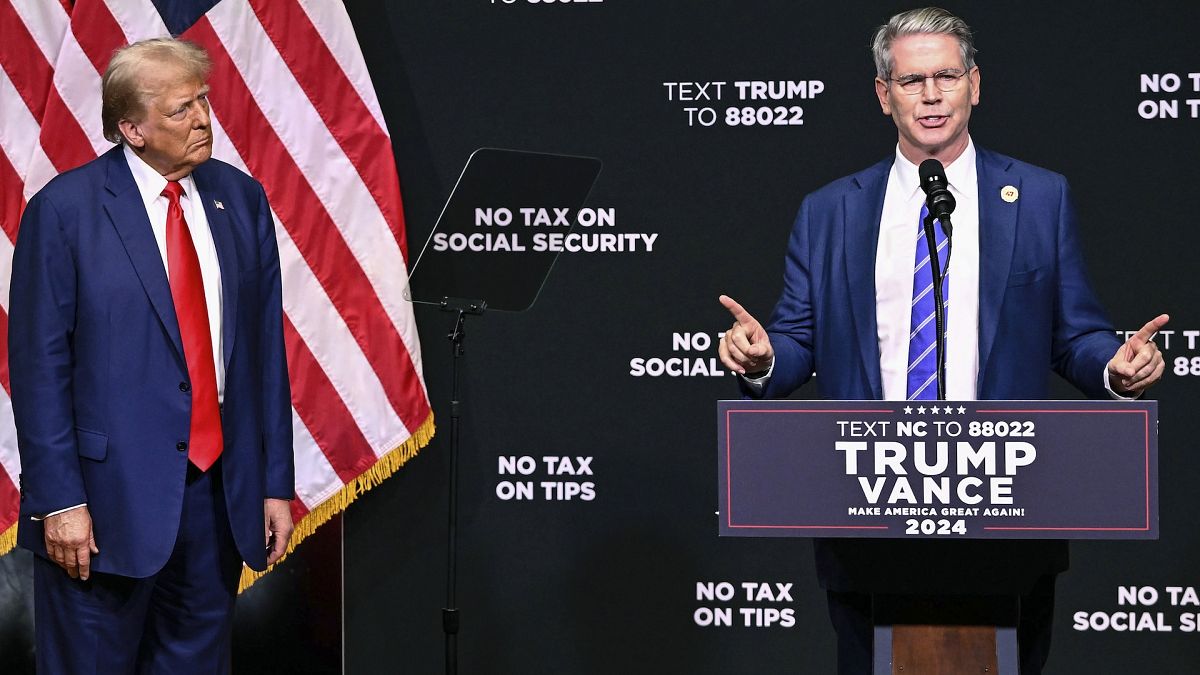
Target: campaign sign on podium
column 972, row 469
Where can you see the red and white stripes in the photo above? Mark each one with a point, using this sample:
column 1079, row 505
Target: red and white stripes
column 293, row 105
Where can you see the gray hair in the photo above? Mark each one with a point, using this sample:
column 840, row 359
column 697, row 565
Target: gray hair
column 121, row 91
column 924, row 21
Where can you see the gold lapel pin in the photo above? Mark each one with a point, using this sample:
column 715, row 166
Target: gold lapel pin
column 1009, row 193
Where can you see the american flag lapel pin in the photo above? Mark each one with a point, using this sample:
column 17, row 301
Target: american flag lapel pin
column 217, row 203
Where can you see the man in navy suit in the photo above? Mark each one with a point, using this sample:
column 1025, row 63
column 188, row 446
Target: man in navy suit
column 149, row 384
column 1019, row 306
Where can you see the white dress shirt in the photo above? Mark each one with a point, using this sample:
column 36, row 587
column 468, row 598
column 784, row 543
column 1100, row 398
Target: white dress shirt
column 899, row 229
column 150, row 185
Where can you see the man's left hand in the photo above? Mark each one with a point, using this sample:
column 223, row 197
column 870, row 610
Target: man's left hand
column 1138, row 364
column 277, row 520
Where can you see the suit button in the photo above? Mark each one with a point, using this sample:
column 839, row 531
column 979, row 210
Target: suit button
column 181, row 446
column 185, row 387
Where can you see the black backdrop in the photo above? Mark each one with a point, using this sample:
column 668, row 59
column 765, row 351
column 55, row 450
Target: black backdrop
column 609, row 585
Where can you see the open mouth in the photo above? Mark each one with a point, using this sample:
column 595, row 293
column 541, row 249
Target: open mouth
column 932, row 121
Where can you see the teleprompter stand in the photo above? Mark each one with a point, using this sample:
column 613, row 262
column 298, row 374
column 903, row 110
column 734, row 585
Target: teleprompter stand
column 461, row 309
column 481, row 246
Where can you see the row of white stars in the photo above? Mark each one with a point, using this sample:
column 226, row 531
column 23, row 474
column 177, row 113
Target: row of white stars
column 934, row 410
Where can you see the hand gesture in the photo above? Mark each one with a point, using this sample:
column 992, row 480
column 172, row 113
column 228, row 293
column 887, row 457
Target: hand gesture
column 1138, row 364
column 745, row 347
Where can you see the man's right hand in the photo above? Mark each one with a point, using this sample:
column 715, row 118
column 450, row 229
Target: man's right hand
column 745, row 347
column 70, row 542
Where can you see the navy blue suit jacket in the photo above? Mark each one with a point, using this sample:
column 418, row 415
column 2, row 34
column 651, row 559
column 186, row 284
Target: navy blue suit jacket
column 98, row 373
column 1037, row 313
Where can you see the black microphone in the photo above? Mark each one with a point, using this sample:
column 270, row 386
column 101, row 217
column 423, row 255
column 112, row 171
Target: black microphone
column 937, row 192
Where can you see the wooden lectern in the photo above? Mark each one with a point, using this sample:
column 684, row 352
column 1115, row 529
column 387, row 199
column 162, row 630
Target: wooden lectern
column 914, row 635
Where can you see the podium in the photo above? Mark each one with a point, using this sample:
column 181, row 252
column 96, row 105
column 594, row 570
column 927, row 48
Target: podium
column 1023, row 471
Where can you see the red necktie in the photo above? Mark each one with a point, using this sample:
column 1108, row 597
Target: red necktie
column 191, row 311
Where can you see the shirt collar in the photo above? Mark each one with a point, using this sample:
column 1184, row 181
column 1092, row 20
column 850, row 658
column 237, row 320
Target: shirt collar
column 960, row 173
column 151, row 183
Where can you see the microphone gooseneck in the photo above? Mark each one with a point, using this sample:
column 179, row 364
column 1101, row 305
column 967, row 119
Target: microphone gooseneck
column 940, row 204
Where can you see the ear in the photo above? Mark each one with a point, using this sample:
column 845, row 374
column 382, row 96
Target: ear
column 881, row 91
column 131, row 132
column 973, row 78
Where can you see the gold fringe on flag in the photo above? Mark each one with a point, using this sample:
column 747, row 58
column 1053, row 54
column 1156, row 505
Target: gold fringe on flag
column 383, row 468
column 8, row 539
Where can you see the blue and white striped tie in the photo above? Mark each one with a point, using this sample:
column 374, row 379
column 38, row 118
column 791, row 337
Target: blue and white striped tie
column 922, row 337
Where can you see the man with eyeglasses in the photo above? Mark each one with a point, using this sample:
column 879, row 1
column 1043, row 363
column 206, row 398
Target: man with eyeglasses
column 856, row 302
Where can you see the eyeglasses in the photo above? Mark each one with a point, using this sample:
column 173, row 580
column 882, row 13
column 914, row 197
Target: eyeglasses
column 945, row 80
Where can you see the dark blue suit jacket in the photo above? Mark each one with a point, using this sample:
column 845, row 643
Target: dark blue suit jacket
column 98, row 371
column 1037, row 313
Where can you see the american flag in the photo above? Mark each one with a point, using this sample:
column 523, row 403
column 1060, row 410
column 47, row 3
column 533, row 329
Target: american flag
column 293, row 106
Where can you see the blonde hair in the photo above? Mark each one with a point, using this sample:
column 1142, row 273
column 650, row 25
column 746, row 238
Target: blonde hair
column 121, row 87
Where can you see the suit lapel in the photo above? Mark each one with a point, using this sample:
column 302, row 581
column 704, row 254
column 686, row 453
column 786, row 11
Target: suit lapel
column 125, row 209
column 212, row 193
column 863, row 212
column 997, row 236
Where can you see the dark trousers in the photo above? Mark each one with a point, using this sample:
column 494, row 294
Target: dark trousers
column 851, row 616
column 178, row 621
